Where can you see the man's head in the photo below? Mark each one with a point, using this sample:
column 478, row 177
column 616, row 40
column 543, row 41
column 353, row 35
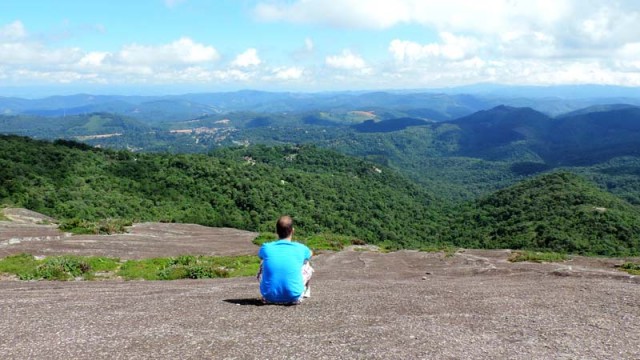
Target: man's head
column 284, row 227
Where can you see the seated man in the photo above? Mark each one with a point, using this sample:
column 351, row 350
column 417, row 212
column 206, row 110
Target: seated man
column 285, row 270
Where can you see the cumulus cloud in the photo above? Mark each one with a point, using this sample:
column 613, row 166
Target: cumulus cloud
column 342, row 13
column 574, row 26
column 287, row 73
column 184, row 51
column 451, row 47
column 485, row 16
column 247, row 59
column 346, row 61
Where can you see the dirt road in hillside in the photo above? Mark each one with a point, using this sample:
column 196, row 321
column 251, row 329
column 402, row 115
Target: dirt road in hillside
column 364, row 305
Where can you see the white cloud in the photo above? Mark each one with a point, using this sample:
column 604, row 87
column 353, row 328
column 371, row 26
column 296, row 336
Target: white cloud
column 346, row 61
column 13, row 31
column 182, row 51
column 94, row 59
column 452, row 47
column 247, row 59
column 288, row 73
column 576, row 26
column 453, row 15
column 343, row 13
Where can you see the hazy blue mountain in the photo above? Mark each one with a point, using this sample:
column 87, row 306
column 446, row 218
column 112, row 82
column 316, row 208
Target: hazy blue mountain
column 493, row 133
column 434, row 105
column 597, row 108
column 595, row 137
column 86, row 125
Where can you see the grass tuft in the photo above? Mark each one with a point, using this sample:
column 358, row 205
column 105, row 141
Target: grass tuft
column 448, row 250
column 107, row 226
column 190, row 267
column 69, row 267
column 318, row 242
column 330, row 242
column 631, row 268
column 539, row 257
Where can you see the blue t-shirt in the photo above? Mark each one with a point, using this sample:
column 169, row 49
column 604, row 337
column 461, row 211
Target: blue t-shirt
column 282, row 263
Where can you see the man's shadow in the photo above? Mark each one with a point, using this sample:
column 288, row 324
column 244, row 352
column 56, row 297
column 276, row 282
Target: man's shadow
column 247, row 301
column 253, row 302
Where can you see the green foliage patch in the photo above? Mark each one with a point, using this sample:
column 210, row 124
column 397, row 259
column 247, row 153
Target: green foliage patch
column 22, row 265
column 69, row 267
column 537, row 256
column 330, row 242
column 558, row 212
column 189, row 267
column 448, row 249
column 106, row 226
column 244, row 188
column 631, row 268
column 317, row 242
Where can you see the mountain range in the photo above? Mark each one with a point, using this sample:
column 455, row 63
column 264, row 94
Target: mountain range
column 437, row 104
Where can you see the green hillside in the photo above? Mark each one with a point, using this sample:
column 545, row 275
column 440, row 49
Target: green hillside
column 558, row 212
column 246, row 188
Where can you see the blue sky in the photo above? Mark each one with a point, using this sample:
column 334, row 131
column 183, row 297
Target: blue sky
column 175, row 46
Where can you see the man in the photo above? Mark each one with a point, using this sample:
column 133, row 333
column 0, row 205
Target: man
column 285, row 270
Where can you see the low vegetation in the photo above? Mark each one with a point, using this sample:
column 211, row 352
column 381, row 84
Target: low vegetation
column 27, row 267
column 447, row 249
column 631, row 268
column 317, row 243
column 538, row 257
column 105, row 227
column 190, row 267
column 335, row 200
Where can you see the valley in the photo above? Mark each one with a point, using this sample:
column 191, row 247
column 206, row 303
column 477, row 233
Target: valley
column 382, row 167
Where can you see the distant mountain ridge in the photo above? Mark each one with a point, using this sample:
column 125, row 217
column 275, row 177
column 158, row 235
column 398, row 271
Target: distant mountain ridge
column 437, row 104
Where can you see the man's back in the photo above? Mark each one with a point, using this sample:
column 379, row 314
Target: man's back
column 282, row 263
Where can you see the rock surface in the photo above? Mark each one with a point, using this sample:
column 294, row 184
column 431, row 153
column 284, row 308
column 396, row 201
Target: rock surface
column 364, row 305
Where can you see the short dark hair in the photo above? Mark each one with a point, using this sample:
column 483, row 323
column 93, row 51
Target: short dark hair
column 284, row 226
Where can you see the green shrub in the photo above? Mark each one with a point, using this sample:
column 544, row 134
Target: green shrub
column 22, row 265
column 62, row 268
column 26, row 267
column 330, row 242
column 539, row 257
column 147, row 269
column 78, row 226
column 102, row 264
column 264, row 237
column 448, row 249
column 631, row 268
column 190, row 267
column 107, row 226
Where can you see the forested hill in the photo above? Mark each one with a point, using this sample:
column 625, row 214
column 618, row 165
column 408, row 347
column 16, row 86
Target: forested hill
column 245, row 188
column 558, row 211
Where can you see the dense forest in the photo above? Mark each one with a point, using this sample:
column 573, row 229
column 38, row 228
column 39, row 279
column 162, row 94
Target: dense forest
column 244, row 188
column 326, row 192
column 559, row 211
